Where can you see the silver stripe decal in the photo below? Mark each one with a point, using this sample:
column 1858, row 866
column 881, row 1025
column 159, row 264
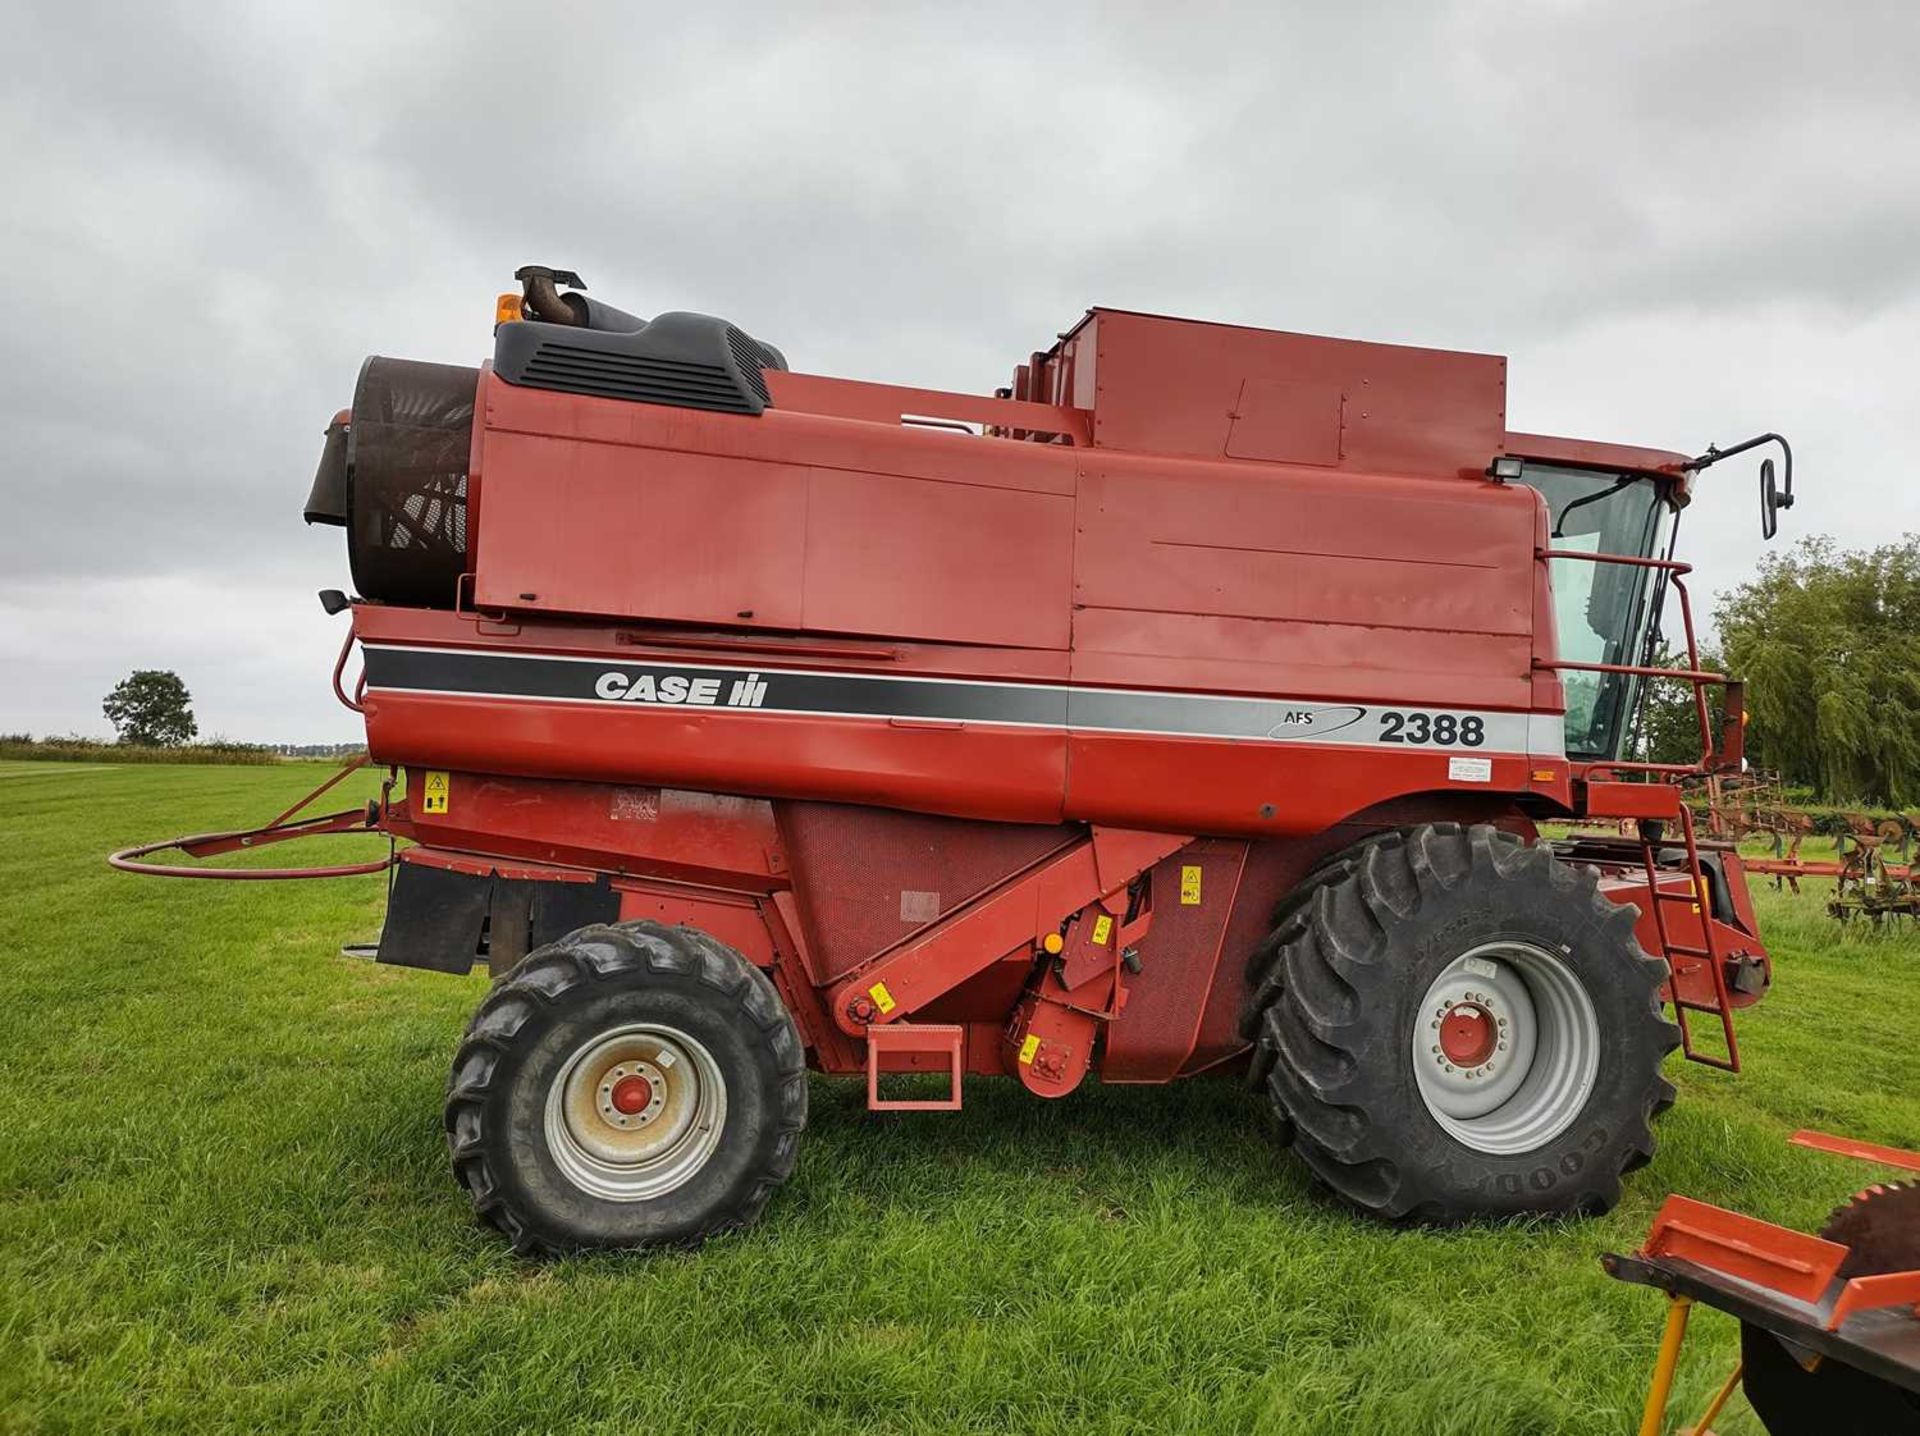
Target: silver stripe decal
column 569, row 678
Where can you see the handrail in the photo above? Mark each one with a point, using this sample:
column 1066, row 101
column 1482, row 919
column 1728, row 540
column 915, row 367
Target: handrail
column 339, row 668
column 1692, row 673
column 1708, row 953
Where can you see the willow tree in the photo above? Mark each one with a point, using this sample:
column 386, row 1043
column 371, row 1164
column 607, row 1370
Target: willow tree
column 1829, row 643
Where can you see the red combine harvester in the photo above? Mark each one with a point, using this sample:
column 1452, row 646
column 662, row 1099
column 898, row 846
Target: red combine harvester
column 1188, row 707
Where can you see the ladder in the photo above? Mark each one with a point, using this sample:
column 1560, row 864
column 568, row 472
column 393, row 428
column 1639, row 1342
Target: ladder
column 1699, row 897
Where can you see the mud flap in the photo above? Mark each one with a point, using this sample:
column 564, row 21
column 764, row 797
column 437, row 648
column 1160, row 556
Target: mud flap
column 443, row 921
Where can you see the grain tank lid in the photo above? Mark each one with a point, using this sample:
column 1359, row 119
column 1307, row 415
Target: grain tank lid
column 1157, row 384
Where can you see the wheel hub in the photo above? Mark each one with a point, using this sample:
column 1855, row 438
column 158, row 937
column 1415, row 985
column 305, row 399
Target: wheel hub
column 1507, row 1047
column 632, row 1094
column 635, row 1112
column 1469, row 1034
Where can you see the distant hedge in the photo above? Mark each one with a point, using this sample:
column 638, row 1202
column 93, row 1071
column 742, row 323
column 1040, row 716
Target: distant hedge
column 17, row 747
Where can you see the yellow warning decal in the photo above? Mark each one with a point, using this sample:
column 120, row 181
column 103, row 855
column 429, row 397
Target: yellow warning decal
column 438, row 787
column 1102, row 930
column 1190, row 885
column 882, row 999
column 1027, row 1049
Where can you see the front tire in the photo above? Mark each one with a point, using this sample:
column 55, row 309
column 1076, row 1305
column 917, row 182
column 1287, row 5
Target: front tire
column 629, row 1085
column 1458, row 1025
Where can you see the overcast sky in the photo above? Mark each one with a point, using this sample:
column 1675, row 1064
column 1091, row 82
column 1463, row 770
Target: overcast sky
column 1683, row 222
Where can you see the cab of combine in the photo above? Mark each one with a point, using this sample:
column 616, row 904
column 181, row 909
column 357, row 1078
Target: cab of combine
column 1191, row 705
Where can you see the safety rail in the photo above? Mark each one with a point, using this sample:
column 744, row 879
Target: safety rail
column 358, row 702
column 1698, row 891
column 1693, row 673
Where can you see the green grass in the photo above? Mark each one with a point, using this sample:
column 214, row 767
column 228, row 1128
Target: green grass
column 224, row 1204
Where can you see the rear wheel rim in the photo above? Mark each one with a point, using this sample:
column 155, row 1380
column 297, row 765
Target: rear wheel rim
column 1506, row 1048
column 635, row 1112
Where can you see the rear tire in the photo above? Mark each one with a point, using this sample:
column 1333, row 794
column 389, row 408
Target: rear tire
column 1543, row 988
column 629, row 1085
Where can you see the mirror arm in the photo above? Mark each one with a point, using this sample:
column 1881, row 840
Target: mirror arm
column 1715, row 454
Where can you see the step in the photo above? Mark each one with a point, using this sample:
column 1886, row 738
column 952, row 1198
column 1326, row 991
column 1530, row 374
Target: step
column 923, row 1039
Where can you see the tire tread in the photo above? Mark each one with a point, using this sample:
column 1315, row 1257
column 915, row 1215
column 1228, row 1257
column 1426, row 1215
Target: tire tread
column 610, row 953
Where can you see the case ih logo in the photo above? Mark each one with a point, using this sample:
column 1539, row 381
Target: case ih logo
column 681, row 688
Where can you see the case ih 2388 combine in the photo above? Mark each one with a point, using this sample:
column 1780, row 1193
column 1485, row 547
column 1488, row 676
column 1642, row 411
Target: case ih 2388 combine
column 1187, row 708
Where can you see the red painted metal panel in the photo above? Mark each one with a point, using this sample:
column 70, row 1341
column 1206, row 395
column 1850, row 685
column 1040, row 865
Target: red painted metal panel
column 1870, row 1293
column 870, row 877
column 700, row 539
column 1283, row 422
column 1305, row 544
column 1632, row 800
column 1170, row 386
column 690, row 836
column 1256, row 789
column 1789, row 1262
column 1129, row 648
column 1007, row 774
column 737, row 923
column 629, row 641
column 1181, row 959
column 1853, row 1147
column 1551, row 449
column 816, row 440
column 931, row 536
column 1271, row 871
column 931, row 560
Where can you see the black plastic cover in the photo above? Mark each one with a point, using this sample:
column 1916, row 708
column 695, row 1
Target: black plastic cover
column 327, row 499
column 692, row 361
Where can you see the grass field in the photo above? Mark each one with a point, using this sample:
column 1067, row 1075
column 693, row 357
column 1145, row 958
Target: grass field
column 224, row 1204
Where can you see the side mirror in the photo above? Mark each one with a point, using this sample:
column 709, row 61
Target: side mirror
column 1772, row 500
column 1775, row 495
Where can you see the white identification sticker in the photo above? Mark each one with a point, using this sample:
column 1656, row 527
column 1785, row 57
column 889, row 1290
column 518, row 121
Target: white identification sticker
column 1480, row 967
column 1470, row 770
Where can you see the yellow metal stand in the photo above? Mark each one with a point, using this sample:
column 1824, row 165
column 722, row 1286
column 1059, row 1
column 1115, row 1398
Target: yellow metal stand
column 1699, row 1428
column 1655, row 1414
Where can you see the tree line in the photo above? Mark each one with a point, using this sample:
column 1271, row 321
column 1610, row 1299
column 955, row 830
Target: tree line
column 1828, row 641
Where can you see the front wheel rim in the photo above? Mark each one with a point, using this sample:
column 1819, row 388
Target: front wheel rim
column 1506, row 1047
column 635, row 1112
